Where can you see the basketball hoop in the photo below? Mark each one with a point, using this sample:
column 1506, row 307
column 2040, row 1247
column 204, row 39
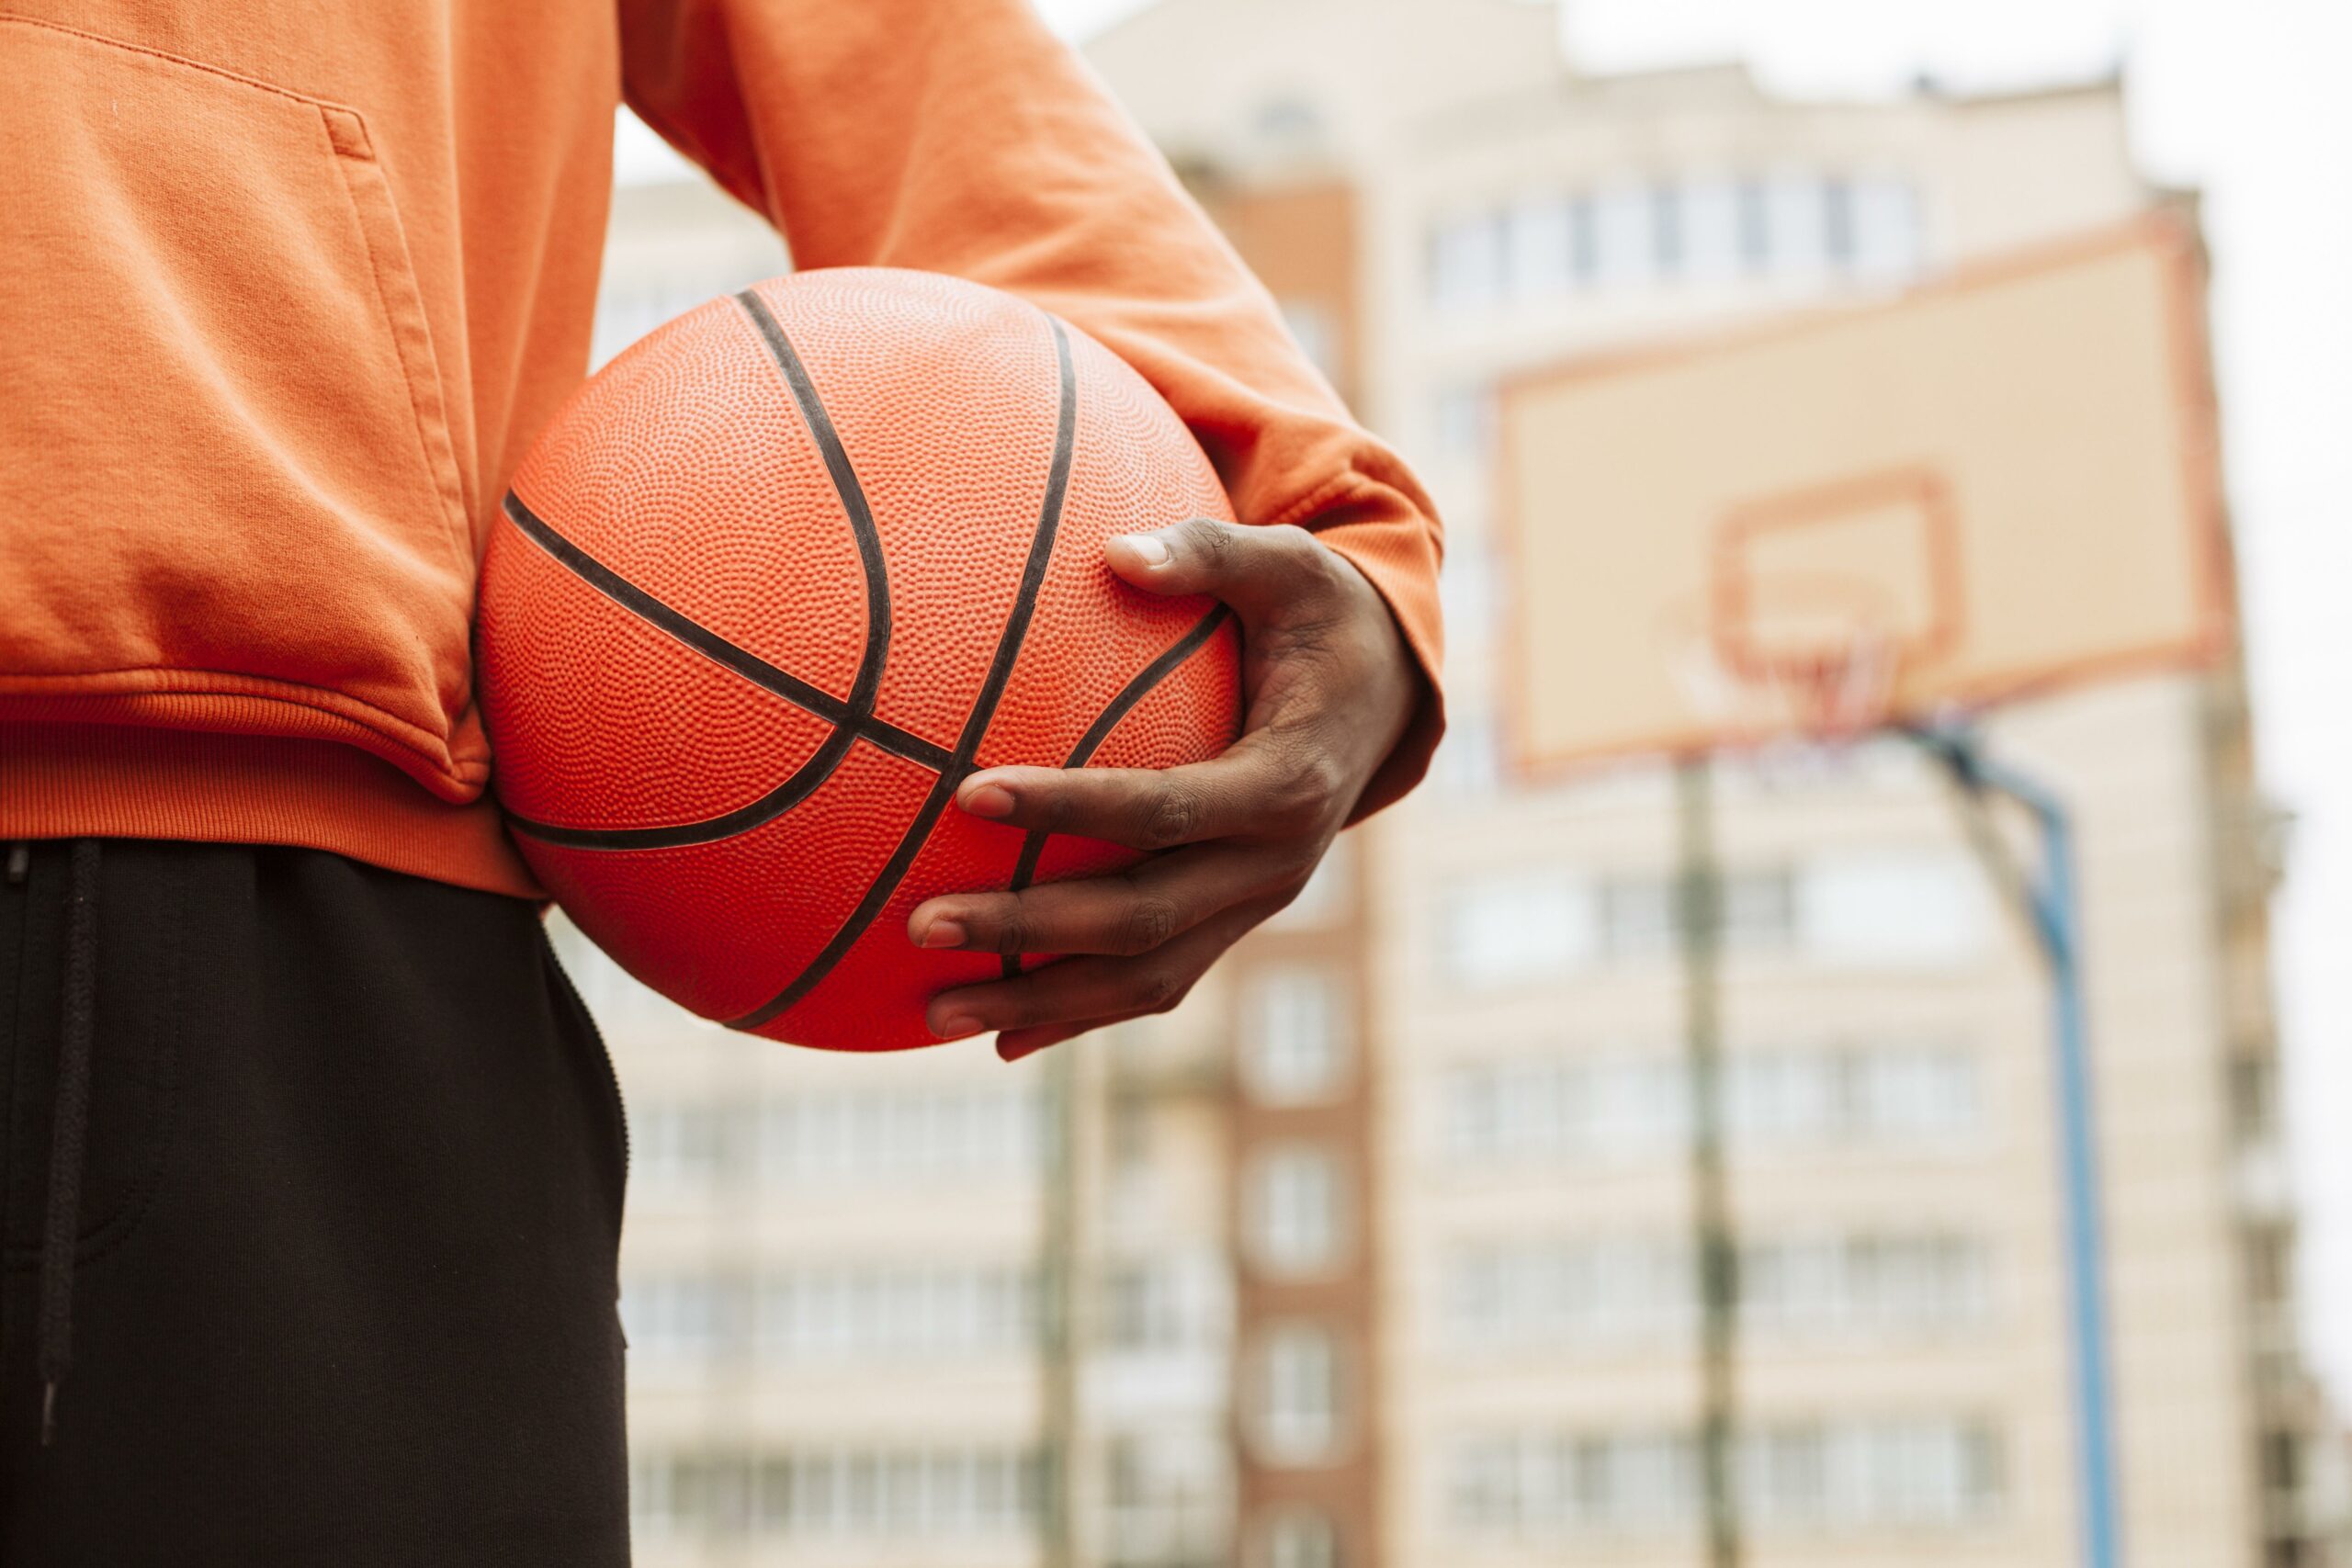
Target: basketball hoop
column 1838, row 695
column 1821, row 695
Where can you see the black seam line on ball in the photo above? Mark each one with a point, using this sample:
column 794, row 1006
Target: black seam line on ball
column 1134, row 691
column 718, row 649
column 775, row 803
column 845, row 486
column 1008, row 649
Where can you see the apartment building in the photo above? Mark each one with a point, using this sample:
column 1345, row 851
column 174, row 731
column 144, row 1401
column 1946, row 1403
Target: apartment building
column 1378, row 1252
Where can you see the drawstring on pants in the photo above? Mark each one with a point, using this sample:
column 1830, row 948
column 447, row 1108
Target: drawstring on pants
column 68, row 1126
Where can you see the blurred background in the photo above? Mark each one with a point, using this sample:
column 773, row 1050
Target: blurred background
column 1380, row 1250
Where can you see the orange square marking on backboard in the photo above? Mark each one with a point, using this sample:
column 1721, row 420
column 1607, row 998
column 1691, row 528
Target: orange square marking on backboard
column 1801, row 575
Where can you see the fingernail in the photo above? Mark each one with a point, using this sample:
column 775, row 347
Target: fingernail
column 1014, row 1053
column 957, row 1025
column 988, row 800
column 1150, row 547
column 943, row 933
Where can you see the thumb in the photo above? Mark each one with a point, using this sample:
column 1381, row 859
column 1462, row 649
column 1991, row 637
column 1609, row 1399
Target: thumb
column 1261, row 571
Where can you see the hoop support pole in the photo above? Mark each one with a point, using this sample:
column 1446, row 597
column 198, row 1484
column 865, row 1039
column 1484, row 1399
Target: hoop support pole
column 2050, row 902
column 1714, row 1253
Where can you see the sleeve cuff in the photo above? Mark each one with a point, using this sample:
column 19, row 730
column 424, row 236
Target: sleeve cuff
column 1396, row 547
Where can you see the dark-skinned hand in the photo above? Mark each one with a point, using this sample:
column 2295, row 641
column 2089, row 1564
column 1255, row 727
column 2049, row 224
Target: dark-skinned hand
column 1329, row 687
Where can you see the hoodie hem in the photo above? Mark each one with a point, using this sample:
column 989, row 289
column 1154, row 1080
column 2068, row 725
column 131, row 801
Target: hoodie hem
column 113, row 781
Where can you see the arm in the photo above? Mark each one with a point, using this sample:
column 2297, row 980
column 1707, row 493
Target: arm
column 958, row 135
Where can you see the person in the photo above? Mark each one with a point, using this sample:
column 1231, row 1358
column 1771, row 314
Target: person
column 313, row 1164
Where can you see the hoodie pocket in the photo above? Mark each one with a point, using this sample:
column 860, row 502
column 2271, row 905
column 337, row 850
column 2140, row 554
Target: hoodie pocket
column 227, row 467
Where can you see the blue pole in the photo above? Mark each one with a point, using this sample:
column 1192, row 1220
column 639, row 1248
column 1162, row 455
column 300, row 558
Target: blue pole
column 2055, row 906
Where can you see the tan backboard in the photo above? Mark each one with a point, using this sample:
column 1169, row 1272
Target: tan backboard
column 1990, row 485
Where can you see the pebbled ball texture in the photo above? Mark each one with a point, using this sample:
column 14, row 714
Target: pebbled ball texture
column 779, row 577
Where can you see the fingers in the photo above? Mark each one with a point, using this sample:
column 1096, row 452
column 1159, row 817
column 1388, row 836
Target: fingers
column 1263, row 573
column 1090, row 990
column 1124, row 914
column 1270, row 784
column 1329, row 687
column 1014, row 1043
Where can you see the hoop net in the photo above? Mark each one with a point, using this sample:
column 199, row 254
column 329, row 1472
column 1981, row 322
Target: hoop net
column 1824, row 693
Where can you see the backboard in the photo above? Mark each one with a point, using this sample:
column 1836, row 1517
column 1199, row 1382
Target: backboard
column 1993, row 484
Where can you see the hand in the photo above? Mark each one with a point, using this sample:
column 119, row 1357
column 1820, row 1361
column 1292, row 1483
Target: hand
column 1328, row 687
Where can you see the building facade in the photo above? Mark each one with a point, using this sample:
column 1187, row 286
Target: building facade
column 1378, row 1251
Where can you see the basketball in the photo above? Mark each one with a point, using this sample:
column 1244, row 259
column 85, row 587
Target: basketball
column 778, row 578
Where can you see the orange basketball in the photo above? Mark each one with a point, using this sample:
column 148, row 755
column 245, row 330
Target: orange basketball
column 784, row 574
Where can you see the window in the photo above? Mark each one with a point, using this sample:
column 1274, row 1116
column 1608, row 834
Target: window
column 1667, row 238
column 1466, row 260
column 1296, row 1035
column 1638, row 1106
column 1579, row 1108
column 690, row 1317
column 1298, row 1538
column 1864, row 1284
column 1316, row 325
column 1752, row 217
column 1897, row 1093
column 1166, row 1302
column 1542, row 240
column 1759, row 910
column 1906, row 1094
column 1635, row 1104
column 1710, row 230
column 1466, row 588
column 1464, row 421
column 1584, row 240
column 679, row 1144
column 1886, row 239
column 1892, row 910
column 1324, row 899
column 1287, row 118
column 728, row 1493
column 848, row 1312
column 1541, row 1484
column 1642, row 916
column 1838, row 239
column 1783, row 1098
column 897, row 1134
column 1169, row 1493
column 1599, row 1293
column 1483, row 1485
column 1513, row 927
column 1624, row 222
column 1920, row 1473
column 1469, row 758
column 1808, row 1477
column 1296, row 1210
column 1593, row 1293
column 1795, row 224
column 1297, row 1395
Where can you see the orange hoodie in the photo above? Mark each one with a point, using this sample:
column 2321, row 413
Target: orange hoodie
column 286, row 288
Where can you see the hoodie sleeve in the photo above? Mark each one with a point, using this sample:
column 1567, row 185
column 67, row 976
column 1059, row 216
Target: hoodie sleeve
column 961, row 136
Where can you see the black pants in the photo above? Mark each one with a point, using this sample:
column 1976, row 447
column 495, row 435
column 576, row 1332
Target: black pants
column 338, row 1183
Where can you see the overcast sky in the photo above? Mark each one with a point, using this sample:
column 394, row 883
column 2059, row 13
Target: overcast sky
column 2245, row 99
